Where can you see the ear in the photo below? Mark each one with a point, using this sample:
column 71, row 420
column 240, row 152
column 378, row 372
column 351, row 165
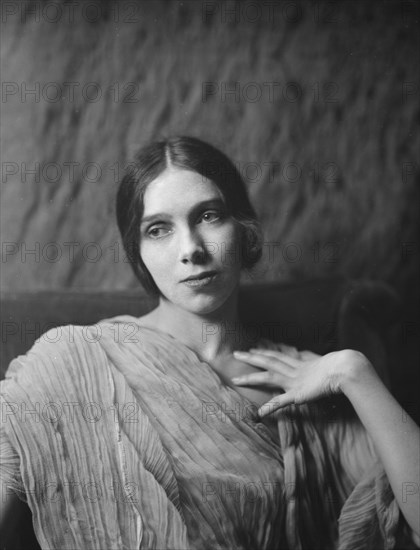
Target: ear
column 251, row 243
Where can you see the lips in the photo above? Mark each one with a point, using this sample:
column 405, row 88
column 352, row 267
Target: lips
column 200, row 276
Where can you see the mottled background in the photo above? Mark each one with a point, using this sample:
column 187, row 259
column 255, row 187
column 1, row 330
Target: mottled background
column 316, row 102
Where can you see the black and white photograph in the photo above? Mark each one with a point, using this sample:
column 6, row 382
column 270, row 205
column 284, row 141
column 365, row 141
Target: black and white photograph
column 210, row 275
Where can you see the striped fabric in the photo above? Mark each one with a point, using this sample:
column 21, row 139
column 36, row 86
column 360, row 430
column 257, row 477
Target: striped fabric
column 119, row 437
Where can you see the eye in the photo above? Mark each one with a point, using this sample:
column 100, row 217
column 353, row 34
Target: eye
column 157, row 231
column 211, row 216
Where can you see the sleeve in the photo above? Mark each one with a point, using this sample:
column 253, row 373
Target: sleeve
column 10, row 477
column 340, row 493
column 93, row 476
column 371, row 518
column 328, row 439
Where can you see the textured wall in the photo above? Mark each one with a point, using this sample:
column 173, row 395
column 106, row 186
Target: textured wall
column 322, row 124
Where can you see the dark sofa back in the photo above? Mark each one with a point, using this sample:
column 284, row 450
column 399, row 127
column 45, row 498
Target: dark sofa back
column 320, row 315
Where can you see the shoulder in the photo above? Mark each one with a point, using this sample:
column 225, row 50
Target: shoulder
column 66, row 366
column 60, row 353
column 120, row 329
column 68, row 341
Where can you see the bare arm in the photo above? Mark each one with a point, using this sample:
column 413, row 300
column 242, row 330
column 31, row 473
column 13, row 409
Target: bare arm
column 395, row 435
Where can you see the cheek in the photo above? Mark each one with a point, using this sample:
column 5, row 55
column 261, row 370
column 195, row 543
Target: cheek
column 226, row 246
column 155, row 261
column 229, row 233
column 233, row 236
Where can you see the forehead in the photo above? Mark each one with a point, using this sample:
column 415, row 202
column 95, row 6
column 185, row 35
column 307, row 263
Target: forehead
column 177, row 190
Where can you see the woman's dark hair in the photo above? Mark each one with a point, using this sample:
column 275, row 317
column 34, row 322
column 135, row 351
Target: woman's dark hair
column 186, row 153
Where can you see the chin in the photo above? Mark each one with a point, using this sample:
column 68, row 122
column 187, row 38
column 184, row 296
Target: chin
column 202, row 303
column 205, row 309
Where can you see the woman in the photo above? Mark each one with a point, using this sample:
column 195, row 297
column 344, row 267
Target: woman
column 155, row 442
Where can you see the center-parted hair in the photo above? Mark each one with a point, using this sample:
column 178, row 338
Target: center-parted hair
column 186, row 153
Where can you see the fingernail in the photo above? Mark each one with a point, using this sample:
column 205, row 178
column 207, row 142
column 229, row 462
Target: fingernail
column 263, row 412
column 266, row 409
column 240, row 353
column 237, row 380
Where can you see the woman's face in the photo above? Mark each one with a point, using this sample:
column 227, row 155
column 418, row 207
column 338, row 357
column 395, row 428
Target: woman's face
column 188, row 242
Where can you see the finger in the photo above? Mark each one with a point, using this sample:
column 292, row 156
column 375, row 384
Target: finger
column 307, row 355
column 261, row 379
column 264, row 361
column 283, row 348
column 290, row 350
column 284, row 355
column 269, row 352
column 276, row 403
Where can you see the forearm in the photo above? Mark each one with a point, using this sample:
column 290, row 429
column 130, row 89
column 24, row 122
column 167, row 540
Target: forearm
column 395, row 435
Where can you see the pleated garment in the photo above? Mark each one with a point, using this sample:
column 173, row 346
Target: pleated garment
column 119, row 437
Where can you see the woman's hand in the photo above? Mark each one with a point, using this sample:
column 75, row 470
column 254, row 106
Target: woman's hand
column 303, row 376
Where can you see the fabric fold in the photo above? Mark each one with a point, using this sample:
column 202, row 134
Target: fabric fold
column 138, row 444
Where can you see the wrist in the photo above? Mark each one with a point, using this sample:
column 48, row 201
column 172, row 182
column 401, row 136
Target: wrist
column 354, row 370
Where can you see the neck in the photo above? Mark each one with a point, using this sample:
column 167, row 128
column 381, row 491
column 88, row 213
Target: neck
column 211, row 336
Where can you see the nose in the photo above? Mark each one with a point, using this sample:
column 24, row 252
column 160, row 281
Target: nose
column 192, row 248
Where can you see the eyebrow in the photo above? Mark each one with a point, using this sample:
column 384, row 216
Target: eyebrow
column 199, row 206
